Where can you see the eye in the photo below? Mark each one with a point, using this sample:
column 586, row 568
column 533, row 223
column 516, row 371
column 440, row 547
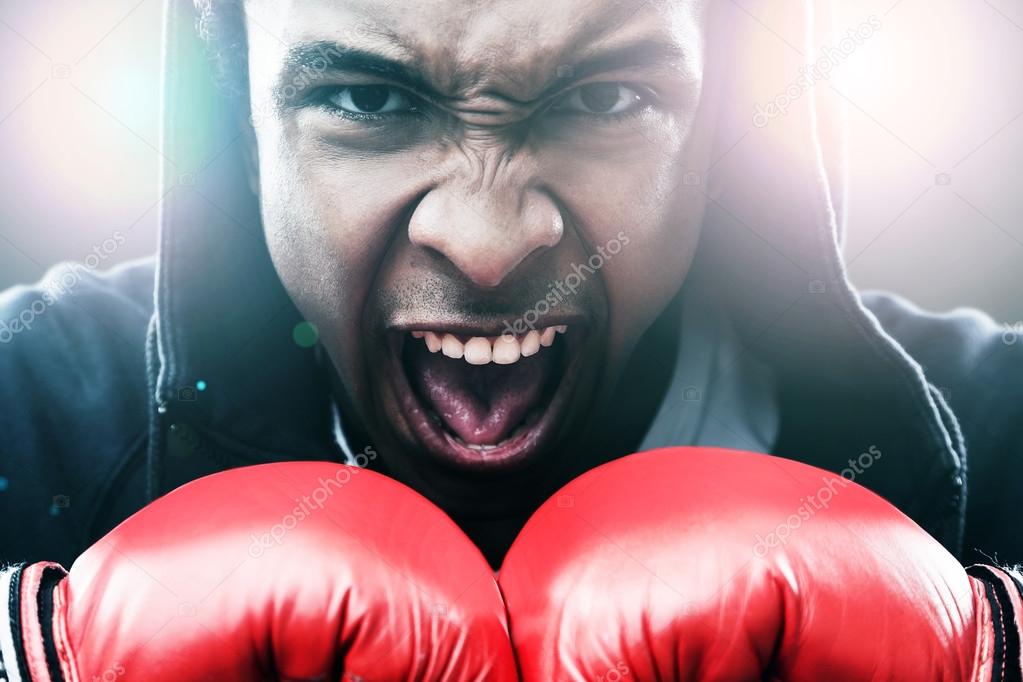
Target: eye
column 372, row 99
column 600, row 99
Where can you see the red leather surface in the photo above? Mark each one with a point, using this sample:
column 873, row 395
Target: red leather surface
column 660, row 566
column 296, row 571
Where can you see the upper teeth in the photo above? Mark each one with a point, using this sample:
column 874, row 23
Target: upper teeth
column 482, row 350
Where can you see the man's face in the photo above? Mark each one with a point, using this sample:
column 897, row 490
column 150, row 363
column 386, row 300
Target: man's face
column 482, row 205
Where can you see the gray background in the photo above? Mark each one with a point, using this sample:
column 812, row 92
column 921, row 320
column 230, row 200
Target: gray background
column 935, row 104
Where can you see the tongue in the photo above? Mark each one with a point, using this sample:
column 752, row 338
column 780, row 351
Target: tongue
column 481, row 404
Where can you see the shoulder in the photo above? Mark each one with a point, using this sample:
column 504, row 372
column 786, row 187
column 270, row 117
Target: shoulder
column 74, row 328
column 70, row 295
column 73, row 396
column 977, row 364
column 962, row 351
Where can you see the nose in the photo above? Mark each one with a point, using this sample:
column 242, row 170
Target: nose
column 486, row 235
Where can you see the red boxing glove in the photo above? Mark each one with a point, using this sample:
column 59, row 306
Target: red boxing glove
column 704, row 564
column 291, row 571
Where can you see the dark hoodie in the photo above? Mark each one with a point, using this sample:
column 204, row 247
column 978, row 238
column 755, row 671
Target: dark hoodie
column 100, row 403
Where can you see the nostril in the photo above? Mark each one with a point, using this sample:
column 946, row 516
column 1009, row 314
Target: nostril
column 534, row 255
column 486, row 239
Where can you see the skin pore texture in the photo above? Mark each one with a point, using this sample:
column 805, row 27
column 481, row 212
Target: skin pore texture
column 445, row 166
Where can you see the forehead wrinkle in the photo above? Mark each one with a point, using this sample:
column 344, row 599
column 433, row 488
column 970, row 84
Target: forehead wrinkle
column 517, row 70
column 482, row 63
column 429, row 52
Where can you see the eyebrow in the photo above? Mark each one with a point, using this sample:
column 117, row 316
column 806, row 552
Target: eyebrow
column 326, row 57
column 648, row 53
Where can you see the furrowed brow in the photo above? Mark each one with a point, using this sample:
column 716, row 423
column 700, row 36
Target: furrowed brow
column 648, row 53
column 307, row 62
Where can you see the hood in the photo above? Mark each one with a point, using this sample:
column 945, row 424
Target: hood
column 769, row 260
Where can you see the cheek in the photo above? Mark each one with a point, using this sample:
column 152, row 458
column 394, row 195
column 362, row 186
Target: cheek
column 640, row 206
column 328, row 222
column 653, row 264
column 656, row 252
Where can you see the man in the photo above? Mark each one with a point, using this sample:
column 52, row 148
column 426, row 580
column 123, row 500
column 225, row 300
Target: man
column 483, row 248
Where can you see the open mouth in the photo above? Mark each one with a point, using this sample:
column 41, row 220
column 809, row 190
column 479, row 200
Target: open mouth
column 484, row 402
